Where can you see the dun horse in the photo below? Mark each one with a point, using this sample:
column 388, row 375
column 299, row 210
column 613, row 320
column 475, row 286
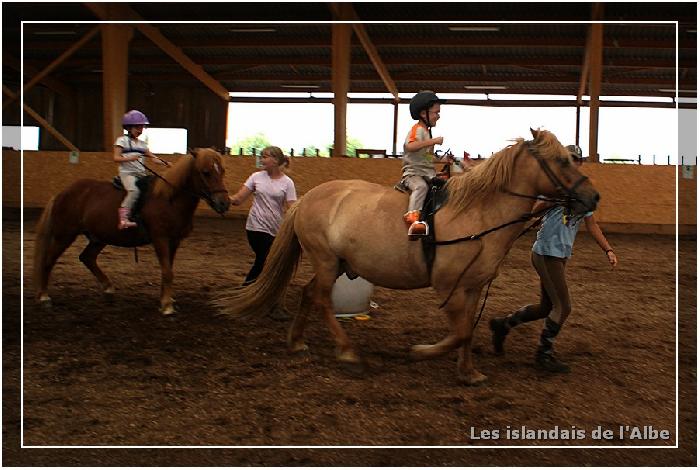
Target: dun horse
column 356, row 226
column 90, row 207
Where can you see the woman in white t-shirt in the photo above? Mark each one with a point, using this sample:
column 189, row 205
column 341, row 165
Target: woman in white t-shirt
column 273, row 192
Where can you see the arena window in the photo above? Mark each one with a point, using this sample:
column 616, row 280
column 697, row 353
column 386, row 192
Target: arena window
column 166, row 139
column 15, row 136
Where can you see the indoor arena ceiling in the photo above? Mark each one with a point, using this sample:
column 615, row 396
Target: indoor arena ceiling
column 460, row 48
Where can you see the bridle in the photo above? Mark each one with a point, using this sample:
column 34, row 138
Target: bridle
column 207, row 194
column 568, row 194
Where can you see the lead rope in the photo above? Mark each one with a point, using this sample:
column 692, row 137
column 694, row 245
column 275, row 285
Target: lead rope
column 131, row 149
column 486, row 296
column 538, row 214
column 202, row 195
column 477, row 237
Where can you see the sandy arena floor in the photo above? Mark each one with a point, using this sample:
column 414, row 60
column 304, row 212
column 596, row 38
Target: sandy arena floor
column 99, row 373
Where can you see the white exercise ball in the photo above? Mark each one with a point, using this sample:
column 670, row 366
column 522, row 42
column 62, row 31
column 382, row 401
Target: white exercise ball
column 351, row 295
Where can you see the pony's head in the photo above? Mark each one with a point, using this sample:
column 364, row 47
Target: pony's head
column 207, row 178
column 560, row 176
column 200, row 174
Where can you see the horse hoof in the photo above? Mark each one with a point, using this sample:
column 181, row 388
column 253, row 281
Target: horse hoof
column 169, row 310
column 355, row 369
column 420, row 352
column 108, row 296
column 297, row 348
column 45, row 302
column 473, row 379
column 348, row 356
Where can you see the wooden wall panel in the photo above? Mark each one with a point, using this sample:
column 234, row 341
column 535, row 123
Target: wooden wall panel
column 625, row 203
column 79, row 119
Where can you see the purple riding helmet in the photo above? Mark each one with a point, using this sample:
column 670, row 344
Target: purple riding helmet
column 134, row 118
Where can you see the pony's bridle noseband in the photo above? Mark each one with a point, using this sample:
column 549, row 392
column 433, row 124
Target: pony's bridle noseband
column 569, row 195
column 208, row 194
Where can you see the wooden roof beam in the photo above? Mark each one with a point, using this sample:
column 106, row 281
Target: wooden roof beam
column 111, row 11
column 345, row 11
column 535, row 89
column 49, row 68
column 462, row 78
column 469, row 102
column 39, row 77
column 42, row 122
column 584, row 70
column 325, row 60
column 595, row 52
column 56, row 85
column 402, row 41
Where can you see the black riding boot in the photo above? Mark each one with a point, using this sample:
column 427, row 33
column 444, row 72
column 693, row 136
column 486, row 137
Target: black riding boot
column 545, row 358
column 501, row 326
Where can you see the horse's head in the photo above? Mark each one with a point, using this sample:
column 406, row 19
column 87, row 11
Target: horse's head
column 208, row 178
column 560, row 175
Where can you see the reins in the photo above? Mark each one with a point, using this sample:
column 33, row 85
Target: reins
column 570, row 195
column 476, row 236
column 201, row 194
column 486, row 296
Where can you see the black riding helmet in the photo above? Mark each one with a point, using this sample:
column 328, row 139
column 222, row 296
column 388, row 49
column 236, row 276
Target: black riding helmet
column 575, row 151
column 423, row 100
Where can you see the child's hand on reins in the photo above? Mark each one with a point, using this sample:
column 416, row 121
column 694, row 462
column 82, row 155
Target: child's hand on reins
column 161, row 161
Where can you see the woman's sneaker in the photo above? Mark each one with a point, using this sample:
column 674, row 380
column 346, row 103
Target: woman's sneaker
column 546, row 360
column 499, row 331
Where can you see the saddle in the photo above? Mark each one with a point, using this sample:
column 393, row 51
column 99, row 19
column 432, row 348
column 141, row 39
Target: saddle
column 143, row 184
column 434, row 200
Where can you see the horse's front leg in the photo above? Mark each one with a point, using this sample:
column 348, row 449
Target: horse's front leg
column 89, row 259
column 165, row 254
column 467, row 373
column 460, row 313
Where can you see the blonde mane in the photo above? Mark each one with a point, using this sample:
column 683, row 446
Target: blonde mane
column 495, row 173
column 483, row 179
column 176, row 177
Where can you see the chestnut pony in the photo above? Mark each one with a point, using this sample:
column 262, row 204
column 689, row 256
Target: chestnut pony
column 356, row 226
column 89, row 207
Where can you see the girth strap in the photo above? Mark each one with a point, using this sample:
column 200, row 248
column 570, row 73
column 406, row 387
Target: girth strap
column 436, row 198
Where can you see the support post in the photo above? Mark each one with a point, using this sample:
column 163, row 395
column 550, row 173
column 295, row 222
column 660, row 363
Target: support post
column 115, row 61
column 341, row 85
column 396, row 127
column 578, row 123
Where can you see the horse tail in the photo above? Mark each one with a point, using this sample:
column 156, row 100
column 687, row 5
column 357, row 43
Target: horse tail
column 271, row 286
column 44, row 232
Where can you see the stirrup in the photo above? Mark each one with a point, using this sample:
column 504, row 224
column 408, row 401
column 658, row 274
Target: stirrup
column 416, row 235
